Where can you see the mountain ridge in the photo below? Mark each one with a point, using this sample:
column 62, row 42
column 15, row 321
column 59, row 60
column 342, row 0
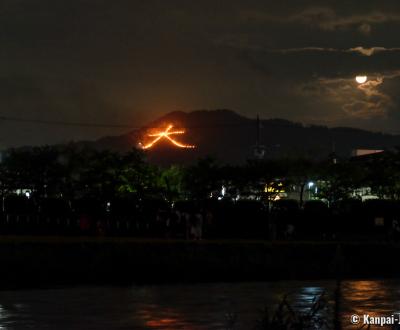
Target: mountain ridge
column 231, row 138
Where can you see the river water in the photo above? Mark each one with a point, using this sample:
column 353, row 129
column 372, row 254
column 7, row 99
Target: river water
column 189, row 307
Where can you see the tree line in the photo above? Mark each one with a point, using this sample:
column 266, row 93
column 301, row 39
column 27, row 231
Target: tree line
column 74, row 172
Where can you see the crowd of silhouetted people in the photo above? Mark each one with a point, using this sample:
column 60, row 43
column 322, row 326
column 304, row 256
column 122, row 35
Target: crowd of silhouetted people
column 196, row 220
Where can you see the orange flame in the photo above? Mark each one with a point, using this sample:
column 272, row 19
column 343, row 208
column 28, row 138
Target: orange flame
column 167, row 134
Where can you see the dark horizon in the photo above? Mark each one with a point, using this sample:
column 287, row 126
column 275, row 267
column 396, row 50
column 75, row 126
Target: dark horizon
column 117, row 129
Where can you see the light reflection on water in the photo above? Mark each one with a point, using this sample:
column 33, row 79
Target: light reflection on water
column 375, row 298
column 189, row 307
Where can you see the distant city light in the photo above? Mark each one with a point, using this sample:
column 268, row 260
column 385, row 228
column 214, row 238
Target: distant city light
column 167, row 134
column 223, row 191
column 310, row 184
column 274, row 187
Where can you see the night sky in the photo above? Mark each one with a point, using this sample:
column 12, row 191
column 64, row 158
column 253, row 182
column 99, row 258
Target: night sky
column 128, row 62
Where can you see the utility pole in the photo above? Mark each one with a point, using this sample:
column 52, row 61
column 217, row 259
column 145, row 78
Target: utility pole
column 259, row 149
column 333, row 155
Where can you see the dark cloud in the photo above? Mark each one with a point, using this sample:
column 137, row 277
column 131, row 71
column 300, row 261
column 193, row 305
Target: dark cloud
column 130, row 61
column 361, row 50
column 326, row 18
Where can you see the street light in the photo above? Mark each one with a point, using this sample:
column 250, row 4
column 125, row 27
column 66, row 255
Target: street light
column 310, row 185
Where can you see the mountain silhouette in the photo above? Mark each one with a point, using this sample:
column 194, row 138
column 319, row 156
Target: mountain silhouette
column 231, row 138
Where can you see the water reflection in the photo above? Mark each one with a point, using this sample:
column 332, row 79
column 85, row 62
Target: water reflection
column 375, row 298
column 189, row 307
column 167, row 319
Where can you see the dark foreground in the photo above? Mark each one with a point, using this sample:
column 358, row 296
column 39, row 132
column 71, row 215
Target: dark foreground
column 49, row 261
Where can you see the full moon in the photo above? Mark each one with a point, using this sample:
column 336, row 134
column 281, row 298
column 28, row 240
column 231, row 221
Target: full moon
column 361, row 79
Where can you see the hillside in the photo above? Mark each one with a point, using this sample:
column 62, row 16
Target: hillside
column 231, row 138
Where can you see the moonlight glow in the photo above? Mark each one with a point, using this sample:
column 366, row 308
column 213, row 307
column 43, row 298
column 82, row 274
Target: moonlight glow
column 167, row 135
column 361, row 79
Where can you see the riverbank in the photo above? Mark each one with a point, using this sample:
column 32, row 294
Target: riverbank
column 47, row 261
